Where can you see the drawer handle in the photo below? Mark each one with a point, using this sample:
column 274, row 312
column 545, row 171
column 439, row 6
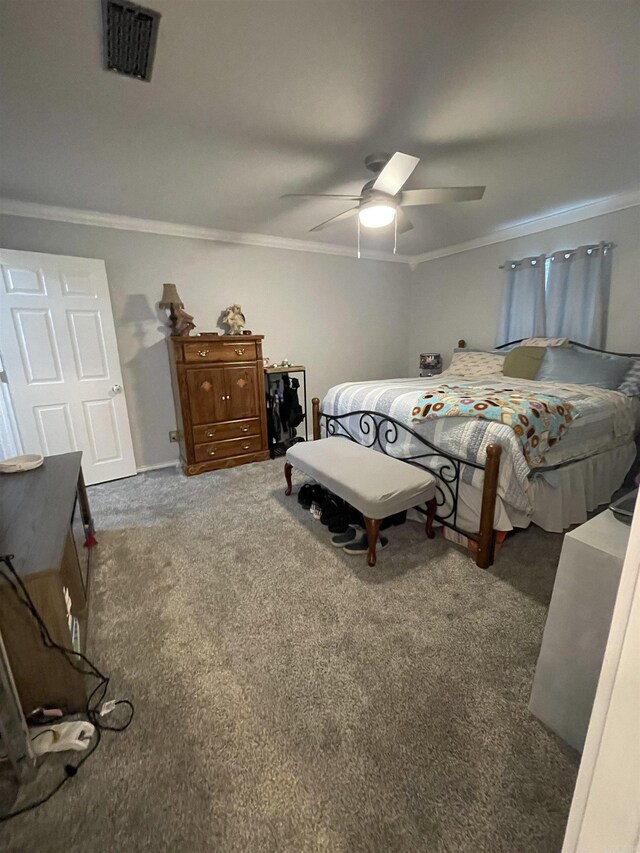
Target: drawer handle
column 210, row 433
column 246, row 445
column 203, row 352
column 240, row 350
column 244, row 429
column 211, row 452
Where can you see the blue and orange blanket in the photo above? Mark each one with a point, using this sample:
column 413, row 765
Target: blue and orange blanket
column 538, row 420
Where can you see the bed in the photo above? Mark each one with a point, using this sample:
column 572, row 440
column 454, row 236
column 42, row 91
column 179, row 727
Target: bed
column 554, row 490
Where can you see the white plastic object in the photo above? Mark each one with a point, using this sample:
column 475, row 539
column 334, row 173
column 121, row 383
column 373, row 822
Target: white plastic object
column 62, row 737
column 21, row 463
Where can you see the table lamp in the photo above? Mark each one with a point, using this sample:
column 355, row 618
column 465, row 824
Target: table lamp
column 171, row 300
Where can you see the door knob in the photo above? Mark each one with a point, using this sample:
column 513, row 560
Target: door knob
column 117, row 389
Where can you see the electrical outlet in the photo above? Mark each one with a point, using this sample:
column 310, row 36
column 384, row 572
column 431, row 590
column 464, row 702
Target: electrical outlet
column 174, row 435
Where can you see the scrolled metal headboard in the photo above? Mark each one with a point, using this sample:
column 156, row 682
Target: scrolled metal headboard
column 382, row 432
column 579, row 346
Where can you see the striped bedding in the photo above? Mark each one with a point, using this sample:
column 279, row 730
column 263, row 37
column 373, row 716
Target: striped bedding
column 602, row 419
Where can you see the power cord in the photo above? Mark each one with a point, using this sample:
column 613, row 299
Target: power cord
column 94, row 708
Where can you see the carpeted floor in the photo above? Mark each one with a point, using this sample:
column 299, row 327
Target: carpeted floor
column 290, row 698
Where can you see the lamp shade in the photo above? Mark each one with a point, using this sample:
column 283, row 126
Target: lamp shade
column 170, row 296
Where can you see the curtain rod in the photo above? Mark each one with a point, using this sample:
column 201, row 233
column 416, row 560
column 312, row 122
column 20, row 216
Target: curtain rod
column 562, row 251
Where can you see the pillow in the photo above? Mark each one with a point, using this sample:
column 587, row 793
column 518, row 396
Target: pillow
column 477, row 349
column 476, row 365
column 523, row 362
column 580, row 367
column 631, row 382
column 545, row 342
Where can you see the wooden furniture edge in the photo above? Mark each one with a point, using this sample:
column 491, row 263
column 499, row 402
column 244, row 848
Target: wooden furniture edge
column 231, row 462
column 487, row 534
column 315, row 409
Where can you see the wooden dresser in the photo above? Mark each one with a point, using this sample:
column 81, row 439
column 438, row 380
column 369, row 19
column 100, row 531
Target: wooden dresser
column 218, row 388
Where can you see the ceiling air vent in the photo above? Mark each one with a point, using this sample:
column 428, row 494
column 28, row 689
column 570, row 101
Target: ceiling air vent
column 130, row 35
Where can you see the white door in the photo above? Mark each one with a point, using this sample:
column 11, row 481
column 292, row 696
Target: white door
column 60, row 358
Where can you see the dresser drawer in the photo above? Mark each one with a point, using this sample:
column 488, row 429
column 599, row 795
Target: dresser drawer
column 224, row 449
column 218, row 351
column 230, row 429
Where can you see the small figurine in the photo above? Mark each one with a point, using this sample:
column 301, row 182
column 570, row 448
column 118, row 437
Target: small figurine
column 184, row 322
column 234, row 319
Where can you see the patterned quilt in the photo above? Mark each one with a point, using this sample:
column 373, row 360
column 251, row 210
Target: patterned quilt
column 602, row 419
column 538, row 420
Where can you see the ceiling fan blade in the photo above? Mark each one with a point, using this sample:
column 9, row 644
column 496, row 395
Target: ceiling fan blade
column 440, row 195
column 395, row 174
column 346, row 215
column 321, row 195
column 404, row 223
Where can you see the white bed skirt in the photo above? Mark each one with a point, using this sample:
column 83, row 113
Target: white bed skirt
column 564, row 497
column 559, row 498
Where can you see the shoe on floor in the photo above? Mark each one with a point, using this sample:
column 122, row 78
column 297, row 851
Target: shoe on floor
column 339, row 524
column 342, row 539
column 305, row 495
column 356, row 517
column 361, row 545
column 331, row 509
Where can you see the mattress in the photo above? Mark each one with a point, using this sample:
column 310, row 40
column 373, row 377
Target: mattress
column 602, row 420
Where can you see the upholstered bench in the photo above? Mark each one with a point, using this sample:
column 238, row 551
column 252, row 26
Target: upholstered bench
column 375, row 484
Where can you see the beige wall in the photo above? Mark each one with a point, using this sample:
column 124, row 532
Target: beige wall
column 459, row 296
column 343, row 318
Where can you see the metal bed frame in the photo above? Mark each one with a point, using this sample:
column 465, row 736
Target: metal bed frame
column 382, row 431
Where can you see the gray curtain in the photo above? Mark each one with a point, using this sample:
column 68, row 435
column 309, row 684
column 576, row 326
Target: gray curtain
column 522, row 314
column 578, row 294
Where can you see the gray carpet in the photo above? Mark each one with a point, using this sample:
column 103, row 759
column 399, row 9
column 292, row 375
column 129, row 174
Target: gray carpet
column 290, row 698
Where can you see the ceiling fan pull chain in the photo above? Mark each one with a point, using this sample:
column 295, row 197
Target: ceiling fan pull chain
column 395, row 233
column 358, row 237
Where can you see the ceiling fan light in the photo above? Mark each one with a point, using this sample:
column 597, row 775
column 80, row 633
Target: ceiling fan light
column 376, row 215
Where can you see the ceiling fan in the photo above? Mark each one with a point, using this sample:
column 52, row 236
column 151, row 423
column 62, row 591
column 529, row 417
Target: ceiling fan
column 382, row 198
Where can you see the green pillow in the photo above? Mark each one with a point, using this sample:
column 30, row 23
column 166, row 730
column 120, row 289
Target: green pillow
column 523, row 362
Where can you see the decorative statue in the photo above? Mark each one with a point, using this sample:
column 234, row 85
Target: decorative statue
column 184, row 322
column 234, row 319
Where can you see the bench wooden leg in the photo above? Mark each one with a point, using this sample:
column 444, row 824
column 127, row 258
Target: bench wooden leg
column 373, row 528
column 287, row 476
column 432, row 508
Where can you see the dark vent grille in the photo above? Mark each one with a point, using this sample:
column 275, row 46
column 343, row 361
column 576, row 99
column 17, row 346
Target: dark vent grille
column 130, row 34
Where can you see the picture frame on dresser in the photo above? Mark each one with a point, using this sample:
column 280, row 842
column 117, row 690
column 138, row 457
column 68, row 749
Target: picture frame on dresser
column 218, row 392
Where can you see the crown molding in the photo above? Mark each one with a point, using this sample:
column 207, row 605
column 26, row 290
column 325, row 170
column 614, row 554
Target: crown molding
column 568, row 216
column 75, row 216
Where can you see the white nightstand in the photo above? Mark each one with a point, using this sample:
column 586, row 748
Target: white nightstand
column 575, row 635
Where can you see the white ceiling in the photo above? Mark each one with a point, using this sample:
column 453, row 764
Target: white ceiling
column 537, row 100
